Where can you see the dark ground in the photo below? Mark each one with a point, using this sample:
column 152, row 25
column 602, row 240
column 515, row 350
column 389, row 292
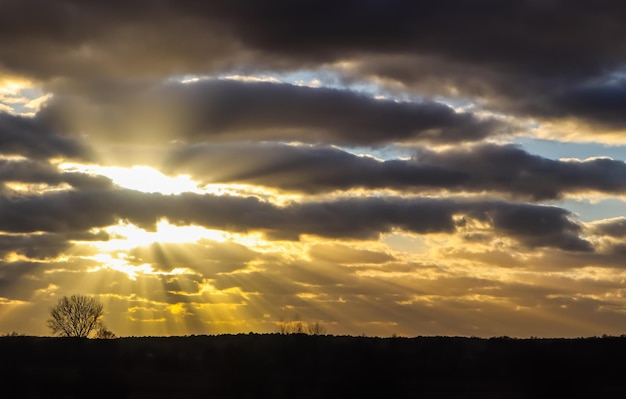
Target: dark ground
column 301, row 366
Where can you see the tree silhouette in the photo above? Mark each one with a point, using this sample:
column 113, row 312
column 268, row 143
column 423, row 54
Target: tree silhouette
column 75, row 316
column 297, row 326
column 316, row 329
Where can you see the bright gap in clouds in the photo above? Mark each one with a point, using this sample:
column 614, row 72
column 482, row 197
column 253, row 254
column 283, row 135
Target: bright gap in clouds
column 20, row 96
column 139, row 178
column 581, row 150
column 125, row 236
column 149, row 180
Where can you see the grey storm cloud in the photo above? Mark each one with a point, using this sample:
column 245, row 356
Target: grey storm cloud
column 26, row 137
column 216, row 110
column 559, row 54
column 480, row 168
column 355, row 218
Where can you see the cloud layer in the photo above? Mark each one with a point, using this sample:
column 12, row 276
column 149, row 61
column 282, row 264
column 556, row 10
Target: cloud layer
column 503, row 169
column 558, row 60
column 219, row 110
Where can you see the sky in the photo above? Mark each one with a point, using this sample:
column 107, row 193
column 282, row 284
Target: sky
column 379, row 167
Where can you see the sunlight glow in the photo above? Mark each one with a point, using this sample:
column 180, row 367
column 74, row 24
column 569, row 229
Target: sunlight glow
column 11, row 89
column 139, row 177
column 149, row 180
column 19, row 96
column 120, row 265
column 38, row 188
column 126, row 235
column 249, row 190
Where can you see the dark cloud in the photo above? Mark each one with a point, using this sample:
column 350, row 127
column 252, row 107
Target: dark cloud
column 73, row 43
column 503, row 169
column 37, row 246
column 18, row 280
column 511, row 169
column 522, row 35
column 598, row 102
column 217, row 110
column 539, row 226
column 529, row 35
column 44, row 246
column 59, row 212
column 304, row 168
column 357, row 218
column 27, row 171
column 43, row 172
column 26, row 137
column 594, row 99
column 516, row 56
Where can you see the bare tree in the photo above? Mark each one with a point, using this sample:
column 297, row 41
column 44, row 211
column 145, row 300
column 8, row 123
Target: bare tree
column 316, row 329
column 297, row 326
column 75, row 316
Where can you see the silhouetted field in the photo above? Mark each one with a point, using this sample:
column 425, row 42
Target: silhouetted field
column 302, row 366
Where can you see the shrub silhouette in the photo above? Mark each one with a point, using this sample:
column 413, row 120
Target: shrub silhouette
column 104, row 333
column 75, row 316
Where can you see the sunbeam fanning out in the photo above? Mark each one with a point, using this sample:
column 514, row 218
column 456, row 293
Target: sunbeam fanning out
column 379, row 168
